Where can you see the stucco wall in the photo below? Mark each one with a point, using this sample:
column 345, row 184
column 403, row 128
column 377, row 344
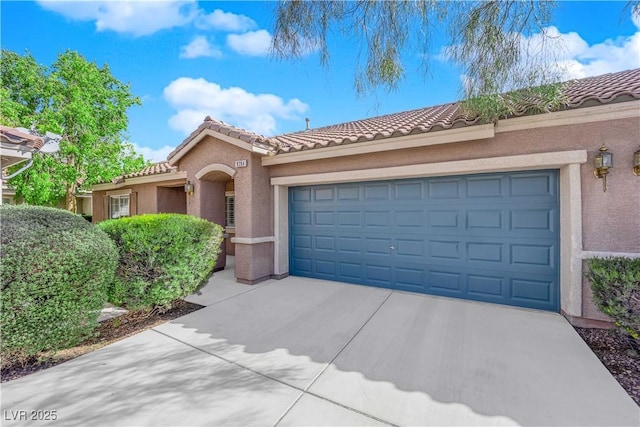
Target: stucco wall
column 171, row 200
column 253, row 199
column 610, row 219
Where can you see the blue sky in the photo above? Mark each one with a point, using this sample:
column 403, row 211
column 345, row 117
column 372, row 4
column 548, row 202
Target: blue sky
column 189, row 59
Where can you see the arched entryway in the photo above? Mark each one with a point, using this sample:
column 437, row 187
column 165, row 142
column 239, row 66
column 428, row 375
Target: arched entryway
column 214, row 200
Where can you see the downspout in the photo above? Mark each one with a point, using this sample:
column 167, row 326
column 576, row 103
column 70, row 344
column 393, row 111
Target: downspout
column 19, row 171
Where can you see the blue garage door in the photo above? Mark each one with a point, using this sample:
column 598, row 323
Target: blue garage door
column 490, row 237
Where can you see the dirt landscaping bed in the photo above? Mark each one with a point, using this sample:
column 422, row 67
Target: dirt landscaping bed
column 617, row 356
column 108, row 332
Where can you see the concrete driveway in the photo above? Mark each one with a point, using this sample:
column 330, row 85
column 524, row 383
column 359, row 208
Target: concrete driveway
column 310, row 352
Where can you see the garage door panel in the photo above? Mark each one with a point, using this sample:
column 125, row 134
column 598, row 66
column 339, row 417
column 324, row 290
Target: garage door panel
column 410, row 249
column 485, row 252
column 409, row 218
column 532, row 219
column 485, row 187
column 379, row 219
column 485, row 219
column 486, row 286
column 492, row 237
column 378, row 274
column 350, row 245
column 536, row 291
column 532, row 255
column 533, row 185
column 443, row 219
column 409, row 190
column 378, row 192
column 325, row 243
column 445, row 282
column 349, row 218
column 446, row 188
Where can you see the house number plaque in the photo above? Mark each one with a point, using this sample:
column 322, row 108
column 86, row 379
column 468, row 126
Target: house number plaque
column 241, row 163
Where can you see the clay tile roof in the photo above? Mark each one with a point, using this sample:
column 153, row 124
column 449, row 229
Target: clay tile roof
column 225, row 129
column 154, row 169
column 590, row 91
column 620, row 86
column 398, row 124
column 14, row 136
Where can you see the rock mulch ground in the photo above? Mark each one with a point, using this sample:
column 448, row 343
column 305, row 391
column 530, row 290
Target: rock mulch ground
column 617, row 355
column 611, row 348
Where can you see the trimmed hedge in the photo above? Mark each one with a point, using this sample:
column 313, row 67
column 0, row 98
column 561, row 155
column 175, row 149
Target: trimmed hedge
column 55, row 271
column 163, row 257
column 615, row 283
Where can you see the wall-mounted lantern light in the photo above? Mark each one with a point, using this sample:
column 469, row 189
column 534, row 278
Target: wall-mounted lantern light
column 188, row 188
column 636, row 163
column 603, row 161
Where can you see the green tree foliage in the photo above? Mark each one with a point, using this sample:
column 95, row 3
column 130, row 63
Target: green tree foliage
column 55, row 270
column 82, row 102
column 163, row 257
column 484, row 38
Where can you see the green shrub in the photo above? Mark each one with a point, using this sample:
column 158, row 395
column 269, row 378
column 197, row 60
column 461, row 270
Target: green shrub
column 55, row 270
column 163, row 257
column 616, row 290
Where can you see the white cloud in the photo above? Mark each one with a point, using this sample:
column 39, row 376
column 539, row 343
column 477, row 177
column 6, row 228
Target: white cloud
column 194, row 99
column 154, row 154
column 575, row 58
column 199, row 47
column 224, row 21
column 138, row 18
column 253, row 43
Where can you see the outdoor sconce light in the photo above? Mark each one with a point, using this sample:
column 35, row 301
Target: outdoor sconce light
column 603, row 161
column 188, row 188
column 636, row 163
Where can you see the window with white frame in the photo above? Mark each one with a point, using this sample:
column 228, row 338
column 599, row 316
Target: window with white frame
column 119, row 206
column 230, row 211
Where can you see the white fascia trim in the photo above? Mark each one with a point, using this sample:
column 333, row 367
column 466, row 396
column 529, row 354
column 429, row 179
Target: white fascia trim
column 448, row 136
column 601, row 254
column 171, row 176
column 221, row 136
column 491, row 164
column 622, row 110
column 252, row 240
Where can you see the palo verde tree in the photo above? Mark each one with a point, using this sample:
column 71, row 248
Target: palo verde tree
column 491, row 41
column 80, row 101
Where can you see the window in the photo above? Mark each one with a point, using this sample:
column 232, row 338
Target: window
column 230, row 211
column 119, row 206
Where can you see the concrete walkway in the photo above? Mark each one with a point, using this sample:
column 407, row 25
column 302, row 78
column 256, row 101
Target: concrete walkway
column 308, row 352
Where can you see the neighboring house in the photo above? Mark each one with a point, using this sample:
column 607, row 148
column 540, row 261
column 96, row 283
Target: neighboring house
column 84, row 204
column 432, row 200
column 15, row 147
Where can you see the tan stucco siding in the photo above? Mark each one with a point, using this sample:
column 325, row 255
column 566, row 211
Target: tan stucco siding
column 171, row 200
